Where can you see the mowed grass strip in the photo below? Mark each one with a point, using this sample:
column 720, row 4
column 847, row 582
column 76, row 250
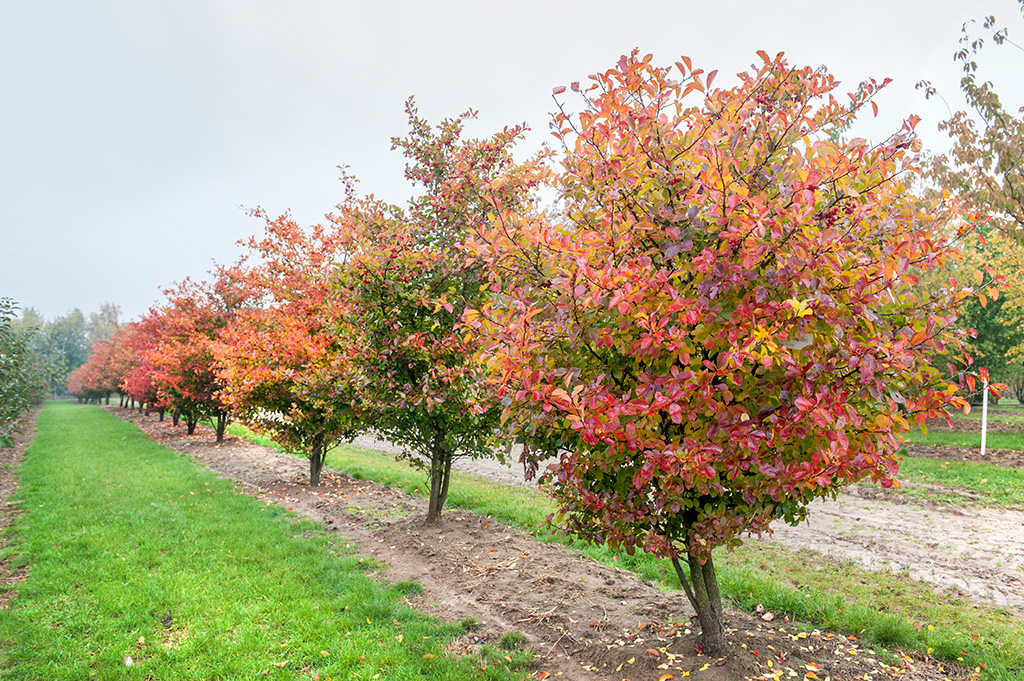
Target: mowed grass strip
column 994, row 440
column 135, row 553
column 882, row 608
column 985, row 484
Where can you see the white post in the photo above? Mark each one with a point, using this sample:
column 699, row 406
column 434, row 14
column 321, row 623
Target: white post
column 984, row 418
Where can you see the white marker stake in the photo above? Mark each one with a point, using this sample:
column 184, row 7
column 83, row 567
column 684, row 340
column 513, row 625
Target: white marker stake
column 984, row 418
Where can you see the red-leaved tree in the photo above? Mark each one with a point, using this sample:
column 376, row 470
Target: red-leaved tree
column 406, row 280
column 725, row 324
column 286, row 365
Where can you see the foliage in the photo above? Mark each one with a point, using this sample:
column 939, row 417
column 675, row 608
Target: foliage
column 183, row 360
column 407, row 282
column 984, row 165
column 103, row 324
column 286, row 366
column 20, row 383
column 59, row 346
column 721, row 328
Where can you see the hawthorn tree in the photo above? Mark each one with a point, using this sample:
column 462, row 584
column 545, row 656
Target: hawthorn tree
column 407, row 281
column 286, row 365
column 724, row 323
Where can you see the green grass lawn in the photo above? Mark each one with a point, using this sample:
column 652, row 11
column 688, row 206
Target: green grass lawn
column 958, row 439
column 141, row 567
column 878, row 607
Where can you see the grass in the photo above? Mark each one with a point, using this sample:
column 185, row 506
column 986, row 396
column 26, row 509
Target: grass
column 880, row 608
column 142, row 566
column 959, row 439
column 985, row 484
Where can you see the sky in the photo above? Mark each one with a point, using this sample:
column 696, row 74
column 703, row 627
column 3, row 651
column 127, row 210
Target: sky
column 137, row 135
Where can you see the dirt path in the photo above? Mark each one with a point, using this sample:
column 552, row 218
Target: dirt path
column 584, row 621
column 10, row 458
column 977, row 551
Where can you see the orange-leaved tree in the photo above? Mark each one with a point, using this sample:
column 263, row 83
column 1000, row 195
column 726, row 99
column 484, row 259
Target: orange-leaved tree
column 725, row 323
column 407, row 281
column 182, row 361
column 287, row 364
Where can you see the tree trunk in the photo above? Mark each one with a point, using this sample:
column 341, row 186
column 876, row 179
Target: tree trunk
column 440, row 474
column 706, row 601
column 190, row 423
column 161, row 412
column 175, row 417
column 222, row 424
column 316, row 460
column 108, row 398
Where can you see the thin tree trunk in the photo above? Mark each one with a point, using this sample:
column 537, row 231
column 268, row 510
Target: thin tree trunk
column 190, row 423
column 175, row 418
column 222, row 424
column 437, row 457
column 161, row 412
column 709, row 605
column 316, row 460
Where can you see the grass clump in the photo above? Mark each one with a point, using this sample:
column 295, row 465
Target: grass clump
column 142, row 566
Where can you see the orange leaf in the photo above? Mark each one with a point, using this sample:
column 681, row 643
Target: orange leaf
column 666, row 677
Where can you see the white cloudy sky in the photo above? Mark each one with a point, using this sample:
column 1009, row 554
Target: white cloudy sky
column 133, row 133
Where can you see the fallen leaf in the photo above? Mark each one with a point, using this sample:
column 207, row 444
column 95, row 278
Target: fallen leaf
column 768, row 617
column 666, row 677
column 280, row 664
column 652, row 651
column 427, row 656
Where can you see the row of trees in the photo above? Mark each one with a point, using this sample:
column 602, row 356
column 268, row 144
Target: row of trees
column 732, row 313
column 21, row 383
column 61, row 345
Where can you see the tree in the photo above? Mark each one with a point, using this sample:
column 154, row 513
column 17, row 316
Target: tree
column 984, row 166
column 60, row 346
column 723, row 323
column 286, row 366
column 407, row 280
column 20, row 383
column 103, row 324
column 984, row 169
column 183, row 360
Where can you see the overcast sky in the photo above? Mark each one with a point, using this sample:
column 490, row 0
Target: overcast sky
column 134, row 134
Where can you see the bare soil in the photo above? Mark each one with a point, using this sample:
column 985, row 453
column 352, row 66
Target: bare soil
column 583, row 620
column 10, row 458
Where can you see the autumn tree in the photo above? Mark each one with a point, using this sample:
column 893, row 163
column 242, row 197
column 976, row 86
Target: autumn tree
column 286, row 364
column 407, row 281
column 183, row 362
column 138, row 340
column 722, row 324
column 984, row 167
